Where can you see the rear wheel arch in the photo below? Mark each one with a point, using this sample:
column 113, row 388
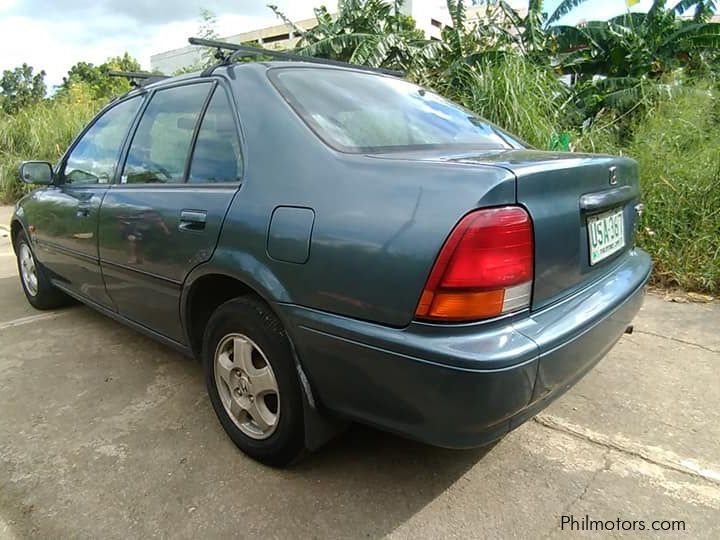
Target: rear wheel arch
column 203, row 296
column 207, row 293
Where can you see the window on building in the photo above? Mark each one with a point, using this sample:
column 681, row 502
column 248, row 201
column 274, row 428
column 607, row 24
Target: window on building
column 278, row 37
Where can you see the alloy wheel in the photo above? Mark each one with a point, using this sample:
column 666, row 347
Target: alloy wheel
column 247, row 386
column 28, row 271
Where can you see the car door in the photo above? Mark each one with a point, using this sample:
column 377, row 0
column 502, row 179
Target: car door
column 65, row 223
column 182, row 169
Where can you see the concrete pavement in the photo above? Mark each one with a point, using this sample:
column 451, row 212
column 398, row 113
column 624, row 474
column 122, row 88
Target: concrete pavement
column 105, row 433
column 5, row 215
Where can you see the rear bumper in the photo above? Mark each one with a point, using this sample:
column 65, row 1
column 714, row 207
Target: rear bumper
column 464, row 386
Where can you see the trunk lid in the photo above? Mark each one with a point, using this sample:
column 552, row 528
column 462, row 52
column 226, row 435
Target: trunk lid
column 571, row 197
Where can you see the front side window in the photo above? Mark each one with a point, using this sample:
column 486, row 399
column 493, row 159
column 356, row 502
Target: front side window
column 160, row 146
column 364, row 112
column 94, row 157
column 217, row 157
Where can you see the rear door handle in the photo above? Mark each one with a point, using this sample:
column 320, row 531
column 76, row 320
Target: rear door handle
column 192, row 220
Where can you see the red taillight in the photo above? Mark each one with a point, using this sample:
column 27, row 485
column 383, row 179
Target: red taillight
column 484, row 269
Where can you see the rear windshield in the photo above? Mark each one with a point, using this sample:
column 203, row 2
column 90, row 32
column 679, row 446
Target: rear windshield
column 368, row 113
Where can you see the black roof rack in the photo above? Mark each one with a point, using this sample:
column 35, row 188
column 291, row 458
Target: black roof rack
column 138, row 78
column 239, row 51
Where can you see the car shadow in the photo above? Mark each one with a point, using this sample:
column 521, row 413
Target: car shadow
column 364, row 482
column 138, row 428
column 368, row 483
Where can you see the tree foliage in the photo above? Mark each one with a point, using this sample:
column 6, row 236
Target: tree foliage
column 617, row 68
column 21, row 87
column 96, row 79
column 207, row 29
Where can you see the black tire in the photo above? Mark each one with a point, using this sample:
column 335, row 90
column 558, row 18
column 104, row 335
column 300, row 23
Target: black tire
column 254, row 319
column 47, row 296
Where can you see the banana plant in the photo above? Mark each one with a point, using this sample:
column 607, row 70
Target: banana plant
column 613, row 61
column 371, row 32
column 648, row 44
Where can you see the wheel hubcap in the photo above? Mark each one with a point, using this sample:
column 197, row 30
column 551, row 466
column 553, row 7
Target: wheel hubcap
column 247, row 386
column 28, row 272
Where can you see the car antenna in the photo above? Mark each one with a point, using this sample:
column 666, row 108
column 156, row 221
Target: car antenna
column 245, row 50
column 138, row 79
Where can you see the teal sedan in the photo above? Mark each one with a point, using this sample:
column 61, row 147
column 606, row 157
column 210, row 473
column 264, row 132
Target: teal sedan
column 338, row 245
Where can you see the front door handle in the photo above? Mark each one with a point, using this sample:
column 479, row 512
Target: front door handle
column 192, row 220
column 83, row 210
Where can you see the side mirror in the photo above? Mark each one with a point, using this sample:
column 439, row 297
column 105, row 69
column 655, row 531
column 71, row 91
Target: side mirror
column 36, row 172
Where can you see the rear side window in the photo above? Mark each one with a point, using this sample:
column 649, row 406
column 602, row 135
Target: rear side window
column 217, row 157
column 161, row 143
column 364, row 112
column 94, row 157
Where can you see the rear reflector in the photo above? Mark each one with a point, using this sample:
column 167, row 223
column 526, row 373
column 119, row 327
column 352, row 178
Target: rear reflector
column 484, row 269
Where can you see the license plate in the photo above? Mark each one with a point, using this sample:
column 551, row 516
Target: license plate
column 606, row 234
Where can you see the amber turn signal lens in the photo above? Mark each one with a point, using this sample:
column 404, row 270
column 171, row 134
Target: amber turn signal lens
column 458, row 306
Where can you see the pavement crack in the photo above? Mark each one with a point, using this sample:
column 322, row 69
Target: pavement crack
column 605, row 467
column 678, row 340
column 586, row 488
column 656, row 456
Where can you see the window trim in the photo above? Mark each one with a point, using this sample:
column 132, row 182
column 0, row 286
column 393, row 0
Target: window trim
column 59, row 169
column 212, row 83
column 216, row 81
column 196, row 134
column 300, row 112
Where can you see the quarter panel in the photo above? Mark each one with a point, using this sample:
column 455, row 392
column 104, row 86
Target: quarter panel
column 379, row 223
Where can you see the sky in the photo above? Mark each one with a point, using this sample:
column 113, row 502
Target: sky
column 55, row 34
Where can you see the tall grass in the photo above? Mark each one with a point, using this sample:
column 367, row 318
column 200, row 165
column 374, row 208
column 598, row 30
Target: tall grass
column 507, row 89
column 523, row 98
column 42, row 131
column 678, row 149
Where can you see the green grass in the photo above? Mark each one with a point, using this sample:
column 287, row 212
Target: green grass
column 678, row 149
column 42, row 131
column 522, row 98
column 511, row 92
